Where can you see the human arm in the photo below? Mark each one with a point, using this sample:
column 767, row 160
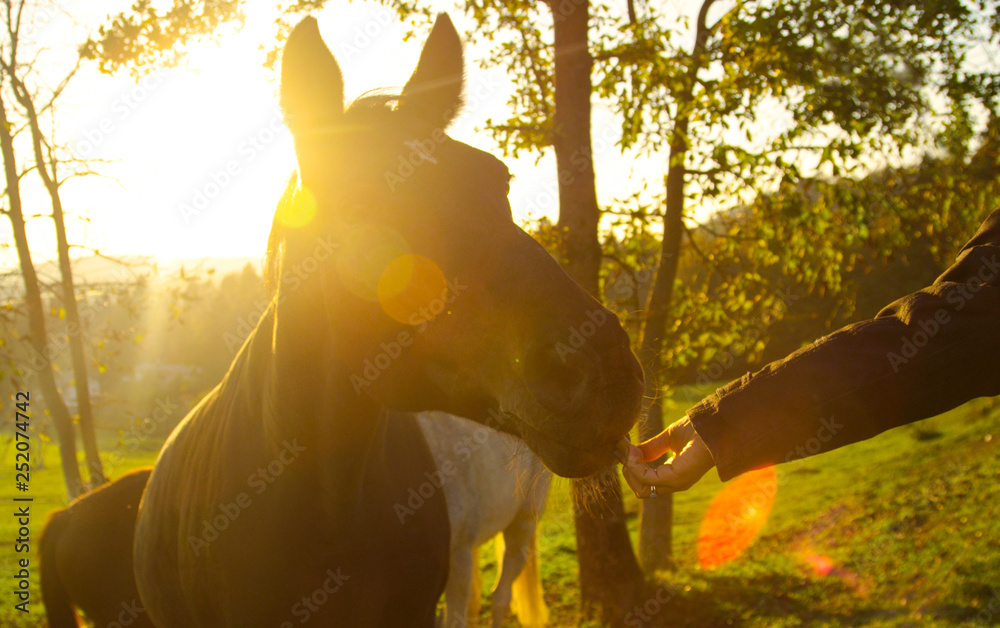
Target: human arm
column 923, row 354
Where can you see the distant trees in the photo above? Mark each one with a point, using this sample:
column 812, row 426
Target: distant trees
column 28, row 100
column 157, row 339
column 44, row 161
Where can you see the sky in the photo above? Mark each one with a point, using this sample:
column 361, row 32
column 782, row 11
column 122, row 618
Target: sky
column 194, row 158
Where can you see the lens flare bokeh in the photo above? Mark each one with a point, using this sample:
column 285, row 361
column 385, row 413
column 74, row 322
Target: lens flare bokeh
column 366, row 251
column 412, row 289
column 296, row 209
column 735, row 517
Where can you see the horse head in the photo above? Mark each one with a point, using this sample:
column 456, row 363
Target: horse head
column 400, row 242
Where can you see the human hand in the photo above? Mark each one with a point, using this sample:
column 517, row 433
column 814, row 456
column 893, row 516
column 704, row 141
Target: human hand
column 693, row 460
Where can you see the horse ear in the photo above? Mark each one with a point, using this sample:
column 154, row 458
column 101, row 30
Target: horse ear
column 312, row 88
column 434, row 91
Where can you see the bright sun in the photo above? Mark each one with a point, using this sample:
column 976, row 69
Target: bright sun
column 195, row 158
column 201, row 151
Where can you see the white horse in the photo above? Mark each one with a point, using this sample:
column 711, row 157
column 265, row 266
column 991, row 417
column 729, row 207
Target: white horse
column 493, row 483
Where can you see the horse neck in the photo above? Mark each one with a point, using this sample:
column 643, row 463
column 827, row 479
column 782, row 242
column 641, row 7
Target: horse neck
column 309, row 398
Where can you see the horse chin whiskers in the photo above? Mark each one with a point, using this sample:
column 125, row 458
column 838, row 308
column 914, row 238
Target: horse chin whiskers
column 591, row 490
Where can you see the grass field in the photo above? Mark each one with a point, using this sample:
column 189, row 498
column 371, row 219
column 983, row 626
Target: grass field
column 901, row 530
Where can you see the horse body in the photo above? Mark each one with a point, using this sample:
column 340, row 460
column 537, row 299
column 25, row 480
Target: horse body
column 277, row 499
column 241, row 558
column 86, row 557
column 493, row 484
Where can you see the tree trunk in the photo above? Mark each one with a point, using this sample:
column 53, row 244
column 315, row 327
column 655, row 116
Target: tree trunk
column 656, row 515
column 76, row 331
column 579, row 213
column 610, row 577
column 36, row 316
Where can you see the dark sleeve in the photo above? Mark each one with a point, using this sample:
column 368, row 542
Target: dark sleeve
column 922, row 355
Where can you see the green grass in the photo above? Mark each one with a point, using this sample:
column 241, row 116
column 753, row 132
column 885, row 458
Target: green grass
column 909, row 521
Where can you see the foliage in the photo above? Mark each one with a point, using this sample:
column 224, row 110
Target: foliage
column 758, row 281
column 151, row 338
column 852, row 87
column 147, row 36
column 842, row 79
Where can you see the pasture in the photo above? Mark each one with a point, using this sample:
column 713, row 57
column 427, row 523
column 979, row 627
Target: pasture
column 900, row 530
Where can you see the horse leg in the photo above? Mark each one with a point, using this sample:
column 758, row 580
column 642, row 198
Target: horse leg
column 519, row 585
column 456, row 593
column 475, row 591
column 510, row 561
column 527, row 597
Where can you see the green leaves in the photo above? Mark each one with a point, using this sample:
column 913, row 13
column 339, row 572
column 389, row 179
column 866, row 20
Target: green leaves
column 147, row 36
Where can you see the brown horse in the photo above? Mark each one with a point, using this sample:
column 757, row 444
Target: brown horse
column 86, row 557
column 403, row 284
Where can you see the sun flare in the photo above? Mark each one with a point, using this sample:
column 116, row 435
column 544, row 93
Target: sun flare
column 736, row 516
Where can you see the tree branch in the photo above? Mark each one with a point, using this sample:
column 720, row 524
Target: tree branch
column 60, row 87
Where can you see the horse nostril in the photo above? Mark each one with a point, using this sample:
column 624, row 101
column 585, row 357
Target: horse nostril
column 558, row 376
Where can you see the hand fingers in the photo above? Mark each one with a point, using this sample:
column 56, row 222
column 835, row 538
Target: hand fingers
column 633, row 469
column 656, row 446
column 633, row 477
column 681, row 473
column 664, row 478
column 689, row 466
column 674, row 438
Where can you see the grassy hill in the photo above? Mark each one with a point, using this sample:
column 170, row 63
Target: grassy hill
column 900, row 530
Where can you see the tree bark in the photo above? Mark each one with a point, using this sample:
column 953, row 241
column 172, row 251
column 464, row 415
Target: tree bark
column 579, row 213
column 76, row 329
column 656, row 515
column 610, row 577
column 36, row 316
